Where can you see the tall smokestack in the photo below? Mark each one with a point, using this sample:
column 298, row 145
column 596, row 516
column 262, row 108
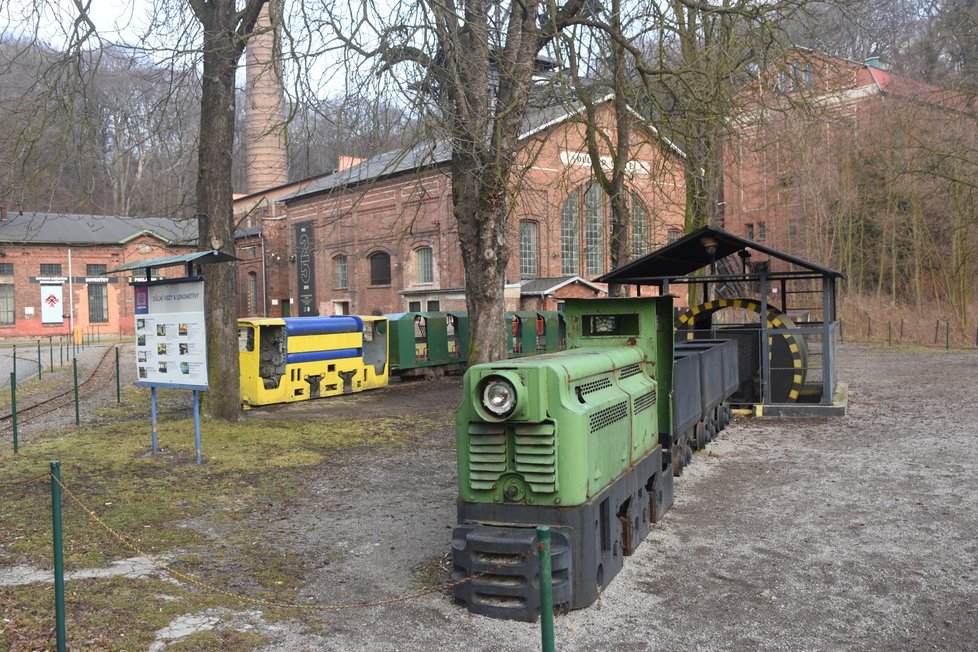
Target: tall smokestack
column 267, row 165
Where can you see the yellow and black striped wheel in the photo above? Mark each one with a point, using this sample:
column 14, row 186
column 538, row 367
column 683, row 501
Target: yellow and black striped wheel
column 788, row 354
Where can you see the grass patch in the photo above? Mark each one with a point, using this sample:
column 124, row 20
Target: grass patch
column 150, row 500
column 100, row 614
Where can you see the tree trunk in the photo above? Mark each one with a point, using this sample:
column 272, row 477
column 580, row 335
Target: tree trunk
column 481, row 214
column 215, row 212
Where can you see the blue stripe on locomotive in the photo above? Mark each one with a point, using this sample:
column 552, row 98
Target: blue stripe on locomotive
column 317, row 356
column 296, row 326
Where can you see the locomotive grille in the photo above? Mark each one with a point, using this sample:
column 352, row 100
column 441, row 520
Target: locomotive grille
column 645, row 401
column 608, row 416
column 536, row 456
column 629, row 371
column 487, row 454
column 593, row 386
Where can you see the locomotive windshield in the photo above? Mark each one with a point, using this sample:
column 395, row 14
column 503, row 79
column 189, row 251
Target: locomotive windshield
column 610, row 325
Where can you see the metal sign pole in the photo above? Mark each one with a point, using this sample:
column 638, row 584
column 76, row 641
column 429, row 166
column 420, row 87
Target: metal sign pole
column 197, row 425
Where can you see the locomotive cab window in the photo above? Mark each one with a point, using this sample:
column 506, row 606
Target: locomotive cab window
column 610, row 325
column 246, row 339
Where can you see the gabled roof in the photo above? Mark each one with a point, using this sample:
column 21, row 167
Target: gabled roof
column 695, row 251
column 547, row 286
column 434, row 153
column 72, row 229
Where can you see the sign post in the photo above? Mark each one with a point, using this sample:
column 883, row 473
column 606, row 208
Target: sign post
column 171, row 342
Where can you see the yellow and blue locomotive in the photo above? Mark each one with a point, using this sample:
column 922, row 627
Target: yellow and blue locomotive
column 298, row 358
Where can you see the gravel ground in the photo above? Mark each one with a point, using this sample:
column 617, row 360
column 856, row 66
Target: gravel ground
column 818, row 534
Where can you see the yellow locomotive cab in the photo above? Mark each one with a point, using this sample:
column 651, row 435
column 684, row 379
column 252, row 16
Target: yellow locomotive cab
column 298, row 358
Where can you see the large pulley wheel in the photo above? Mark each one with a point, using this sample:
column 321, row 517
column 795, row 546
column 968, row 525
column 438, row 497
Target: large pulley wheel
column 788, row 355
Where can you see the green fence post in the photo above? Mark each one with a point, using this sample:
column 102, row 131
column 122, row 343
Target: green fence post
column 947, row 336
column 50, row 354
column 546, row 589
column 869, row 328
column 74, row 365
column 13, row 406
column 889, row 333
column 937, row 330
column 39, row 368
column 118, row 385
column 59, row 561
column 14, row 359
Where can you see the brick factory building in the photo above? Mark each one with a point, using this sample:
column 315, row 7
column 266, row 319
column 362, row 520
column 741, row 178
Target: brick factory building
column 379, row 236
column 54, row 270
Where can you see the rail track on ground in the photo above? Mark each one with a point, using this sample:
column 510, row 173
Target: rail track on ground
column 100, row 377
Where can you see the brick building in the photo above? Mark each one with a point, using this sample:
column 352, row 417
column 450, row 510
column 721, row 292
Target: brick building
column 789, row 167
column 379, row 236
column 54, row 269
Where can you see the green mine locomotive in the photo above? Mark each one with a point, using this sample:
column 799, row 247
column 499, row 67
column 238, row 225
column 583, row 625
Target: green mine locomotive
column 579, row 440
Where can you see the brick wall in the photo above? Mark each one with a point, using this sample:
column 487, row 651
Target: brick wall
column 398, row 217
column 27, row 281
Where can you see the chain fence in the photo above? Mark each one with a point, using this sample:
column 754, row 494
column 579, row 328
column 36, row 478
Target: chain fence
column 186, row 578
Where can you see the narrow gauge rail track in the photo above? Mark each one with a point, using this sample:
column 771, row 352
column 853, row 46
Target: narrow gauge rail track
column 99, row 377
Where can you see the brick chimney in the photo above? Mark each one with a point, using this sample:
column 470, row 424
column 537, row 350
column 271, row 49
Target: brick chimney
column 4, row 217
column 267, row 165
column 345, row 162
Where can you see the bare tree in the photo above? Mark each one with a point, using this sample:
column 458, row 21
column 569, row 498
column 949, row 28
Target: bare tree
column 469, row 68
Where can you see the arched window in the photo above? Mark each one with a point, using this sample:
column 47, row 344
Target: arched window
column 570, row 242
column 585, row 211
column 640, row 228
column 424, row 265
column 594, row 254
column 342, row 272
column 380, row 268
column 528, row 249
column 252, row 293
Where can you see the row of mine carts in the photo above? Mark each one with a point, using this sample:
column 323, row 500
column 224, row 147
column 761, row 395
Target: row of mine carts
column 706, row 375
column 293, row 359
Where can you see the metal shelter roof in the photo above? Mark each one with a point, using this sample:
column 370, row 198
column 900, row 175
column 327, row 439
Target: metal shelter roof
column 199, row 257
column 697, row 250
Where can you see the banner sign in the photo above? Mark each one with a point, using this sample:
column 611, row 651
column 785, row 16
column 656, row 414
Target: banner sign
column 52, row 304
column 305, row 270
column 171, row 337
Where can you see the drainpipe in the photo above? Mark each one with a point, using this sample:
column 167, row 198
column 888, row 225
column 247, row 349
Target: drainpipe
column 71, row 299
column 264, row 276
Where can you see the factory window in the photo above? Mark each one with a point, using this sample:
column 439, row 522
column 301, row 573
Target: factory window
column 252, row 293
column 425, row 268
column 750, row 231
column 584, row 211
column 593, row 233
column 434, row 306
column 806, row 75
column 570, row 234
column 528, row 249
column 342, row 278
column 7, row 304
column 50, row 269
column 414, row 306
column 673, row 234
column 98, row 303
column 761, row 231
column 6, row 269
column 640, row 228
column 380, row 268
column 95, row 270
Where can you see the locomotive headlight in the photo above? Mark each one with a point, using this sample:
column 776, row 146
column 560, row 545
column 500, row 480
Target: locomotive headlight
column 499, row 395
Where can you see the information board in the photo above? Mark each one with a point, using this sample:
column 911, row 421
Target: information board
column 171, row 337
